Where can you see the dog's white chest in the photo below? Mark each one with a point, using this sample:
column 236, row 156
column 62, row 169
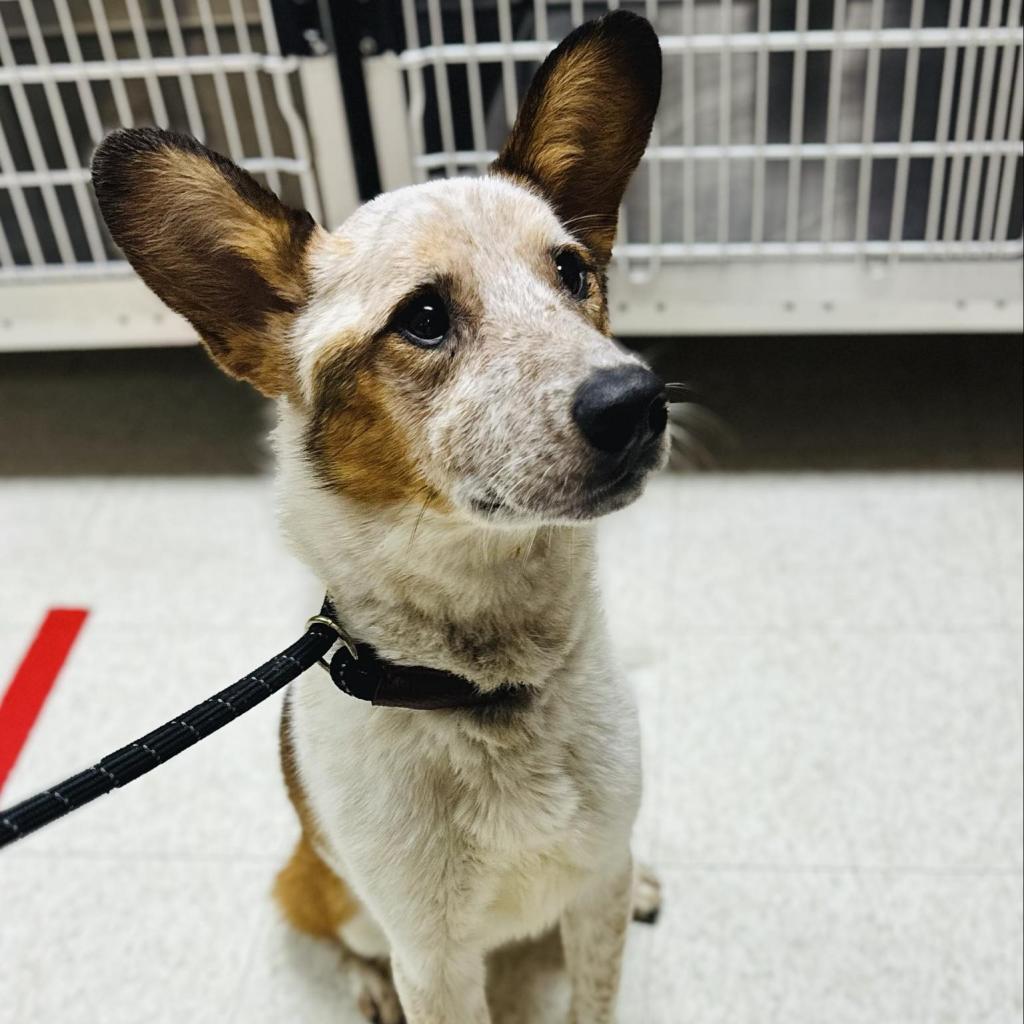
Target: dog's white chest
column 530, row 895
column 510, row 830
column 533, row 841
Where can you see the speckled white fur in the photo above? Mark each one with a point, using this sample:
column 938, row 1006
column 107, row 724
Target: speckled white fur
column 461, row 831
column 500, row 425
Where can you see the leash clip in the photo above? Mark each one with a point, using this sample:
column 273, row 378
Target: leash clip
column 343, row 638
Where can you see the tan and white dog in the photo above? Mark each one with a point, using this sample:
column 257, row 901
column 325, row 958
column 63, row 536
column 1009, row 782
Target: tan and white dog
column 452, row 418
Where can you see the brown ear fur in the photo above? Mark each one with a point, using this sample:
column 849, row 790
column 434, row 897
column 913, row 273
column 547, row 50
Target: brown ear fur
column 585, row 122
column 211, row 242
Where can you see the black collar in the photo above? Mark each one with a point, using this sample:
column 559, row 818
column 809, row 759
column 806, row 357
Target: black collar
column 358, row 670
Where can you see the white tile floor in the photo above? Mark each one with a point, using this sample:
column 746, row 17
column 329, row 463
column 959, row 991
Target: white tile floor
column 826, row 641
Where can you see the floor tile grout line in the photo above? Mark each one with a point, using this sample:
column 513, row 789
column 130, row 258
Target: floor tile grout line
column 153, row 857
column 829, row 628
column 690, row 867
column 992, row 548
column 259, row 933
column 664, row 674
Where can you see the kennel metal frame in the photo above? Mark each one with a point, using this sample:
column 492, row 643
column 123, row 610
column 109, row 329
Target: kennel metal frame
column 964, row 274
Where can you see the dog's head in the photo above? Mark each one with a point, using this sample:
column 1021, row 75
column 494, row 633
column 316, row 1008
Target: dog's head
column 448, row 345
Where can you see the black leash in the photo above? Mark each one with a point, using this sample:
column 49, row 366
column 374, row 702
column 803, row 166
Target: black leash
column 355, row 668
column 162, row 744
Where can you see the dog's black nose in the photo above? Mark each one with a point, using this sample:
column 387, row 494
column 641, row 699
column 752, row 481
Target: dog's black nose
column 619, row 405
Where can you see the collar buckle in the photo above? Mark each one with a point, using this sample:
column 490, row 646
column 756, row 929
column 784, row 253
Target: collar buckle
column 343, row 638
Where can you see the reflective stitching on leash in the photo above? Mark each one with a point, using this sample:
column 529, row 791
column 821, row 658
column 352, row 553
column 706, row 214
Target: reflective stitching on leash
column 185, row 725
column 227, row 704
column 149, row 750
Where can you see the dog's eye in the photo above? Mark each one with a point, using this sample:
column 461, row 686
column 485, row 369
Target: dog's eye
column 572, row 272
column 424, row 319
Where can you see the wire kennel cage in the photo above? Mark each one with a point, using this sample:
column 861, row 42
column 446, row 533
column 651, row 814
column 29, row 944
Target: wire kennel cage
column 843, row 165
column 237, row 74
column 846, row 165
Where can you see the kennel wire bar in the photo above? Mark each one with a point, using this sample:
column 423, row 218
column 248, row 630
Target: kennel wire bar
column 70, row 71
column 849, row 165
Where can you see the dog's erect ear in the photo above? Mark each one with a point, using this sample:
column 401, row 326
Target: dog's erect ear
column 585, row 122
column 215, row 245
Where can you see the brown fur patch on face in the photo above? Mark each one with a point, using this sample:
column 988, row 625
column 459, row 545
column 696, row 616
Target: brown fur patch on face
column 216, row 246
column 601, row 319
column 313, row 898
column 354, row 438
column 585, row 122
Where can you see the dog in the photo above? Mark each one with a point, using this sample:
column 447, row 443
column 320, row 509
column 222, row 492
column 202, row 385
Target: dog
column 452, row 418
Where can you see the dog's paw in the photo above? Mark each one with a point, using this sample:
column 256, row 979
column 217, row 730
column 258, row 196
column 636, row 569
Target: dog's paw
column 646, row 895
column 375, row 991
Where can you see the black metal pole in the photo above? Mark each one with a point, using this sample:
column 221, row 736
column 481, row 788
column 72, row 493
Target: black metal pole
column 349, row 29
column 353, row 29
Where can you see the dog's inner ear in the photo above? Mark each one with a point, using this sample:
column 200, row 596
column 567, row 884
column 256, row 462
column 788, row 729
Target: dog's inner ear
column 212, row 243
column 585, row 122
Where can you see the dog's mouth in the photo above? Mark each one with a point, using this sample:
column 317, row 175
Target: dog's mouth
column 620, row 485
column 600, row 491
column 488, row 506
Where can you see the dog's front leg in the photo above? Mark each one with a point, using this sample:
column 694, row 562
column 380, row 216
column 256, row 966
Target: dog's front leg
column 593, row 936
column 441, row 985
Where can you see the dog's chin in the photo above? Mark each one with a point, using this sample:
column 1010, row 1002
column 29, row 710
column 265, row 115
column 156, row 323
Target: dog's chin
column 595, row 498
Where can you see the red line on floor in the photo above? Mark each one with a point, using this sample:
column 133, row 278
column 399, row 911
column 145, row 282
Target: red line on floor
column 34, row 678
